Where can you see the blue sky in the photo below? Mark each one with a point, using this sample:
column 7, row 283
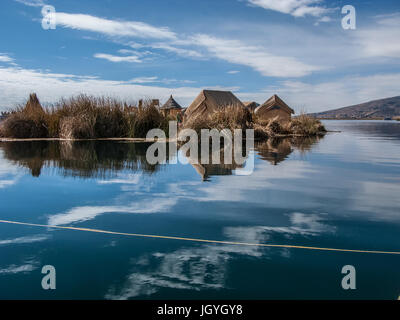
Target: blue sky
column 151, row 49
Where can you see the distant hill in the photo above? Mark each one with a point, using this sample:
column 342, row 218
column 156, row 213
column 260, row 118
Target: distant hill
column 377, row 109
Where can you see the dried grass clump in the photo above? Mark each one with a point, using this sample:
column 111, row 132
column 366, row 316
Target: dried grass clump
column 26, row 122
column 83, row 117
column 270, row 128
column 260, row 132
column 77, row 127
column 231, row 117
column 306, row 126
column 143, row 119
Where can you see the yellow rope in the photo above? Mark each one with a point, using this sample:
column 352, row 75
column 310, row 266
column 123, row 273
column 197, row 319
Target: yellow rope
column 200, row 240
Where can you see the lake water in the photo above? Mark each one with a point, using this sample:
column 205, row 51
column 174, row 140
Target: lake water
column 340, row 191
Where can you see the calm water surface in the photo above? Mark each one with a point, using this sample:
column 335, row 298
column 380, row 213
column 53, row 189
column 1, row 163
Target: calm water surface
column 341, row 191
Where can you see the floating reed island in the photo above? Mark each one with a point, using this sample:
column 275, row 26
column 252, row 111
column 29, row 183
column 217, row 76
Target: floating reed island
column 88, row 117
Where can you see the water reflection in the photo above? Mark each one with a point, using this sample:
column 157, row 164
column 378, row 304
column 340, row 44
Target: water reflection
column 344, row 194
column 104, row 159
column 84, row 159
column 206, row 266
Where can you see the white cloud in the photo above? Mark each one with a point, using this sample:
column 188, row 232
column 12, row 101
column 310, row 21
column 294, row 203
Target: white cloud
column 257, row 58
column 112, row 58
column 144, row 80
column 5, row 58
column 297, row 8
column 233, row 72
column 32, row 3
column 200, row 46
column 16, row 84
column 113, row 27
column 381, row 40
column 327, row 95
column 179, row 51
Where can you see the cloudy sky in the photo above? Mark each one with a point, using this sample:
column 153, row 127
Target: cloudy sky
column 150, row 49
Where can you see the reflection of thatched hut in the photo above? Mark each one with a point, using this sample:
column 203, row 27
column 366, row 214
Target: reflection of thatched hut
column 171, row 107
column 224, row 168
column 274, row 107
column 209, row 101
column 251, row 105
column 275, row 150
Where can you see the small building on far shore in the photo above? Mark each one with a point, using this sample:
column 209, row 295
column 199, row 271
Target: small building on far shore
column 274, row 107
column 171, row 107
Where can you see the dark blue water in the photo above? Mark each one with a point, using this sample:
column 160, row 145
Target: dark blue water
column 340, row 191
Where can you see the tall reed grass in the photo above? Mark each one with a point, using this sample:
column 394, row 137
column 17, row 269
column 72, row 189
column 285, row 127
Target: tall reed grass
column 83, row 117
column 230, row 117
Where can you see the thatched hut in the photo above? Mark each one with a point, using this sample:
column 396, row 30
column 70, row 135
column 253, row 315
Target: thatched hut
column 209, row 101
column 274, row 108
column 251, row 105
column 171, row 107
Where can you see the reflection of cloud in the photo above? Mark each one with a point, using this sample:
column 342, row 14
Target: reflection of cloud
column 352, row 145
column 265, row 176
column 309, row 223
column 28, row 266
column 205, row 267
column 85, row 213
column 378, row 198
column 8, row 172
column 128, row 179
column 6, row 183
column 27, row 239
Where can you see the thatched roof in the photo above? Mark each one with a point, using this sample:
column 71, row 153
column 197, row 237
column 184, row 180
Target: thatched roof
column 211, row 100
column 273, row 103
column 171, row 104
column 251, row 105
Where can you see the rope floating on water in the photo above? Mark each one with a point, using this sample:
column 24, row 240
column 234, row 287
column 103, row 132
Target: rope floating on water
column 200, row 240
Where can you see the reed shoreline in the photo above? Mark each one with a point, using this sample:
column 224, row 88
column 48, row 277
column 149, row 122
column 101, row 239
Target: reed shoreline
column 102, row 118
column 143, row 140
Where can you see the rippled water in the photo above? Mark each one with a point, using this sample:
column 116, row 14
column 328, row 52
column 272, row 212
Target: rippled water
column 341, row 191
